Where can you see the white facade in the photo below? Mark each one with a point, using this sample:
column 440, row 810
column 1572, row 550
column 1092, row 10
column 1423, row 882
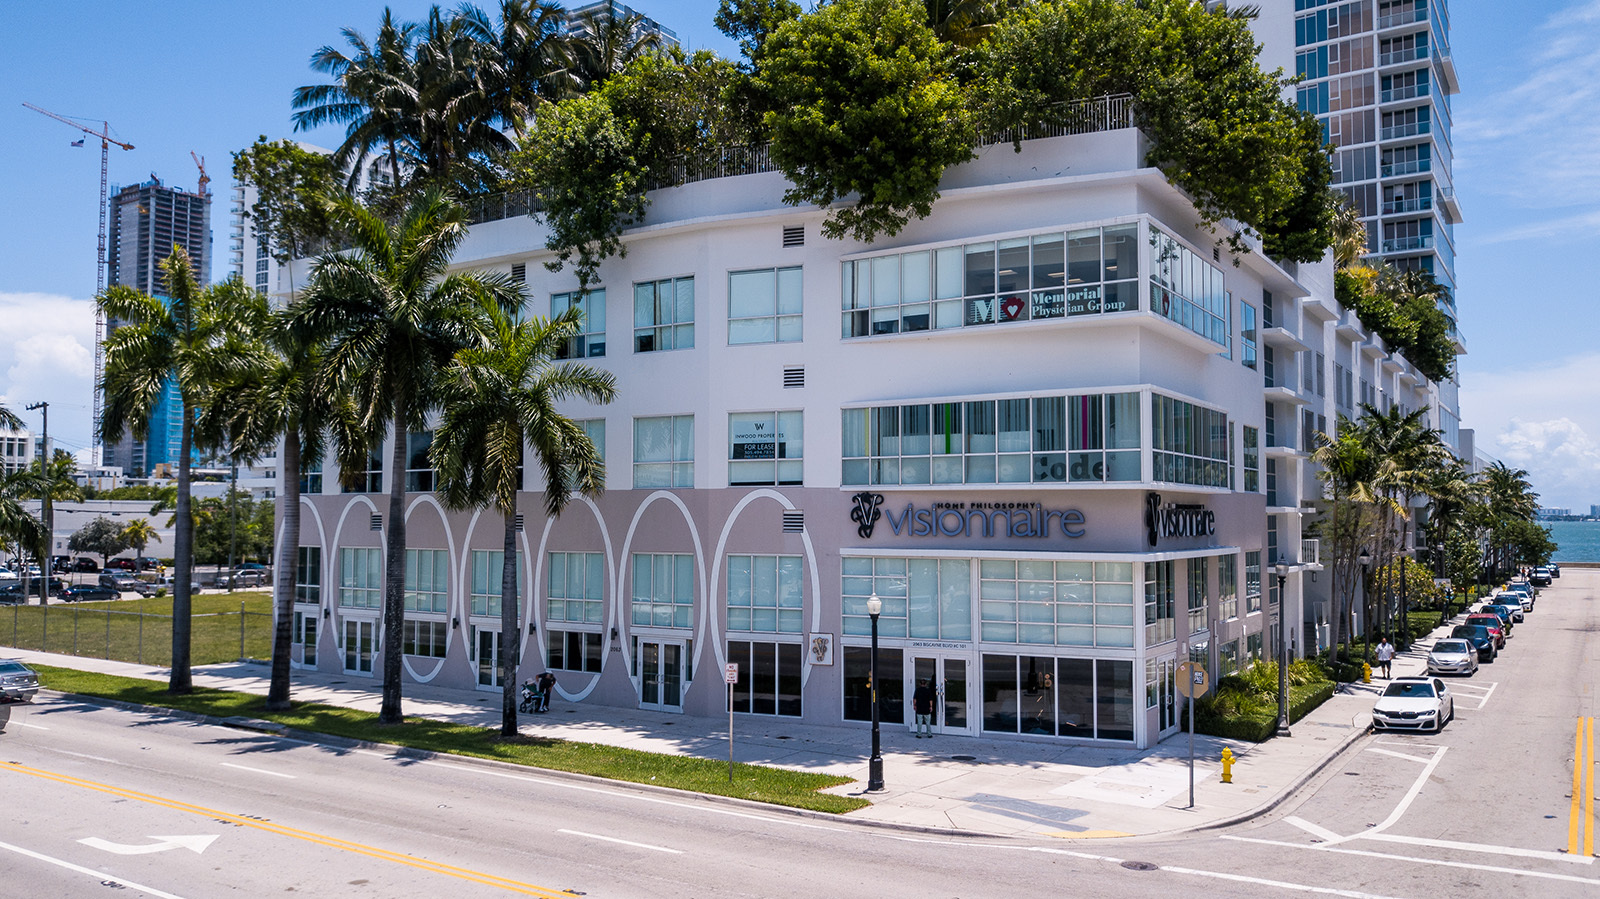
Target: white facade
column 1054, row 427
column 18, row 450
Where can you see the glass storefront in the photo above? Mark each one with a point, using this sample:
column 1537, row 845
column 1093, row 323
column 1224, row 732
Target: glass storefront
column 1088, row 698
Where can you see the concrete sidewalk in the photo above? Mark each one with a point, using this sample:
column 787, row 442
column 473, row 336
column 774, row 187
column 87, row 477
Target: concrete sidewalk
column 969, row 784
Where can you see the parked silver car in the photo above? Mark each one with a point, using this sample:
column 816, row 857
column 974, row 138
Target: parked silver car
column 18, row 682
column 1452, row 657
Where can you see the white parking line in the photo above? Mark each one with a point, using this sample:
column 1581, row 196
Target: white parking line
column 1324, row 847
column 1480, row 847
column 1321, row 833
column 26, row 724
column 1398, row 755
column 256, row 770
column 102, row 876
column 1405, row 803
column 595, row 836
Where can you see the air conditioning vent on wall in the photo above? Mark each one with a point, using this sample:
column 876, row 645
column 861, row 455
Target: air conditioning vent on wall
column 794, row 377
column 377, row 522
column 519, row 272
column 794, row 236
column 794, row 521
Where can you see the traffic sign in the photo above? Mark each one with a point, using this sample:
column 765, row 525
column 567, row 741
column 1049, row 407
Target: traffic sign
column 1192, row 680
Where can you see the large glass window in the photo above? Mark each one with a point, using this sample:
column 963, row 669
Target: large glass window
column 764, row 306
column 765, row 448
column 595, row 430
column 1058, row 603
column 1252, row 581
column 1160, row 602
column 858, row 685
column 1199, row 593
column 922, row 598
column 1248, row 335
column 368, row 481
column 1084, row 698
column 1252, row 460
column 427, row 572
column 361, row 578
column 1078, row 438
column 574, row 650
column 308, row 574
column 663, row 590
column 764, row 594
column 663, row 451
column 769, row 677
column 663, row 315
column 424, row 638
column 1055, row 275
column 1187, row 288
column 576, row 585
column 487, row 568
column 590, row 341
column 1190, row 443
column 1228, row 587
column 420, row 474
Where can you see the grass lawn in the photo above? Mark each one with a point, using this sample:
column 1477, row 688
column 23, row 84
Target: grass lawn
column 140, row 630
column 772, row 785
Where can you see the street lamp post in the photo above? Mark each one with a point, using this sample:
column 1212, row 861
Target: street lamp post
column 875, row 763
column 1282, row 571
column 1405, row 619
column 1365, row 561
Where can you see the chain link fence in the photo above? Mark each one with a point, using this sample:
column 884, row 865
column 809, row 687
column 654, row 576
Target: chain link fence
column 141, row 637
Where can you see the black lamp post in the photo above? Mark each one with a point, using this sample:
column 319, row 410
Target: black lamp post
column 1282, row 571
column 1405, row 619
column 875, row 763
column 1365, row 561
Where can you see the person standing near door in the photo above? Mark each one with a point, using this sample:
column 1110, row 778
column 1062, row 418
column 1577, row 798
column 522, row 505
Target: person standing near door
column 922, row 705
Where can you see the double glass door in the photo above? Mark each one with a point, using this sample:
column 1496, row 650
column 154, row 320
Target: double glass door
column 660, row 675
column 488, row 658
column 1166, row 694
column 360, row 638
column 948, row 679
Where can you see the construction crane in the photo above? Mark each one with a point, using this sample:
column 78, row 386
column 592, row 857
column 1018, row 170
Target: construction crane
column 106, row 140
column 200, row 163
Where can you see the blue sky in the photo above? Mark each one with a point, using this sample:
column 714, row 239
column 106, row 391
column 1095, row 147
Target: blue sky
column 173, row 76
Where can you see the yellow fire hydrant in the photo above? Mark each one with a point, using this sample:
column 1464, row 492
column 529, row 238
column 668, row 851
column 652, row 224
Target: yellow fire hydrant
column 1227, row 766
column 1366, row 672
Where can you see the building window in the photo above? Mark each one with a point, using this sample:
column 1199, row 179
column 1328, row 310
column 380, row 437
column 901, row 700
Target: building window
column 361, row 578
column 1199, row 593
column 425, row 638
column 663, row 590
column 1227, row 587
column 769, row 678
column 369, row 481
column 308, row 574
column 590, row 342
column 663, row 315
column 1160, row 602
column 1248, row 336
column 764, row 306
column 1051, row 439
column 764, row 594
column 576, row 587
column 574, row 650
column 1187, row 288
column 858, row 685
column 1252, row 581
column 420, row 474
column 311, row 478
column 663, row 451
column 1045, row 276
column 1252, row 646
column 427, row 572
column 595, row 430
column 765, row 448
column 1227, row 658
column 487, row 568
column 922, row 598
column 1059, row 603
column 1252, row 460
column 1082, row 698
column 1190, row 443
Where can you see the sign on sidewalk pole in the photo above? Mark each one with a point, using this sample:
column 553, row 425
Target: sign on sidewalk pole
column 1192, row 684
column 730, row 675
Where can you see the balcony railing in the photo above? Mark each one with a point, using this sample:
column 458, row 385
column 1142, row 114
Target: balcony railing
column 1402, row 244
column 1397, row 56
column 1406, row 130
column 1413, row 167
column 1404, row 93
column 1311, row 551
column 1415, row 204
column 1403, row 17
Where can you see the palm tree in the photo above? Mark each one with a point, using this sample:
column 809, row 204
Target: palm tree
column 51, row 484
column 188, row 338
column 368, row 95
column 497, row 399
column 529, row 62
column 18, row 526
column 451, row 105
column 139, row 532
column 1346, row 468
column 1406, row 451
column 1349, row 235
column 964, row 23
column 9, row 420
column 604, row 43
column 392, row 319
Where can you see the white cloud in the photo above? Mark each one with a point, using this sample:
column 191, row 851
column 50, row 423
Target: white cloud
column 1543, row 418
column 47, row 353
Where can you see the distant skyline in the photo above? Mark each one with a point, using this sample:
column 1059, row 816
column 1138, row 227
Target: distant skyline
column 190, row 75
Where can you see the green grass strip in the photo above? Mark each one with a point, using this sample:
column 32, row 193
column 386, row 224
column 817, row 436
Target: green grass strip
column 777, row 786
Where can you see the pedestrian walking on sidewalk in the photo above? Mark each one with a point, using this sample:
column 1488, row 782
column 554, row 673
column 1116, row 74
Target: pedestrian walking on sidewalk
column 547, row 685
column 1385, row 655
column 922, row 700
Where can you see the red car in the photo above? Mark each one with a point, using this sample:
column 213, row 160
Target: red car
column 123, row 564
column 1493, row 623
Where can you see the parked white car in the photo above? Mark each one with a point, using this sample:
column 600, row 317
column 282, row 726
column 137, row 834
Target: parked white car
column 1414, row 703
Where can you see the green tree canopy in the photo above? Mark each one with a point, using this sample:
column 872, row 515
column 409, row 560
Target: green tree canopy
column 102, row 536
column 288, row 180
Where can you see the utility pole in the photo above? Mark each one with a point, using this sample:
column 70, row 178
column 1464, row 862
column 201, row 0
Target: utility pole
column 46, row 509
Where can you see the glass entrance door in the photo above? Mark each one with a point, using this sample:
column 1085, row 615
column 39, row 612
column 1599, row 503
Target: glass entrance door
column 948, row 678
column 1166, row 694
column 660, row 675
column 488, row 658
column 359, row 639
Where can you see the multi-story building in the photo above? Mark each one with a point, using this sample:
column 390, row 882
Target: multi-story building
column 578, row 20
column 1055, row 429
column 18, row 449
column 1379, row 75
column 147, row 221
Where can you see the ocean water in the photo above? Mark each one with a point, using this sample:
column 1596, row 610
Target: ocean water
column 1579, row 541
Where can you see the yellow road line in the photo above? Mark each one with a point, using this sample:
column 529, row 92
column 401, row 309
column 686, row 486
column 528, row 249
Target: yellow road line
column 308, row 836
column 1581, row 821
column 1588, row 794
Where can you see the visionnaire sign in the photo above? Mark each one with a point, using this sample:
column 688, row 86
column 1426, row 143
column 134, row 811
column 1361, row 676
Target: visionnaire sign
column 966, row 519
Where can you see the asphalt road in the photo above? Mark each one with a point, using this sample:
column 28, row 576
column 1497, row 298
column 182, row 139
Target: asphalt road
column 160, row 807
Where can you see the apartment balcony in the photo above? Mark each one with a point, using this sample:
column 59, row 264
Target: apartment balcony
column 1407, row 244
column 1445, row 65
column 1410, row 92
column 1323, row 309
column 1279, row 336
column 1280, row 393
column 1404, row 17
column 1395, row 57
column 1411, row 129
column 1311, row 554
column 1415, row 204
column 1412, row 167
column 1282, row 451
column 1449, row 205
column 1349, row 326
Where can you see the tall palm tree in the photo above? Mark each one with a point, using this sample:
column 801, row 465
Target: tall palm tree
column 10, row 420
column 18, row 526
column 139, row 532
column 1346, row 468
column 604, row 43
column 451, row 106
column 529, row 63
column 188, row 338
column 52, row 483
column 1349, row 235
column 497, row 399
column 392, row 319
column 368, row 95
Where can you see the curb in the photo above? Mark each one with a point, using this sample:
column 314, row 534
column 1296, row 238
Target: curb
column 320, row 739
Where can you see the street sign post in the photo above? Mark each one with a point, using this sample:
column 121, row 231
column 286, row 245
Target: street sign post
column 730, row 676
column 1192, row 684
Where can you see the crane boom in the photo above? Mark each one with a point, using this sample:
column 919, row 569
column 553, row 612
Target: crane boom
column 106, row 140
column 200, row 163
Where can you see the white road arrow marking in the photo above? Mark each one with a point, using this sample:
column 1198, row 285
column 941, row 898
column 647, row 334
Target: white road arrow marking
column 195, row 844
